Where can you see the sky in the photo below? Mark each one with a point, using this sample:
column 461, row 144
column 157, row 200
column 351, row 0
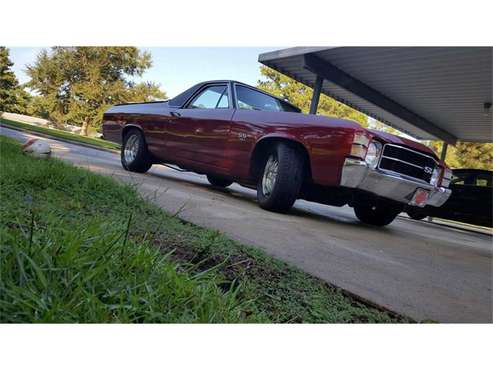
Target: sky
column 176, row 69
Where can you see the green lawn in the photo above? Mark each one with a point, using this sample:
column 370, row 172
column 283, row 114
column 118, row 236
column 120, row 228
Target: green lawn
column 60, row 134
column 80, row 247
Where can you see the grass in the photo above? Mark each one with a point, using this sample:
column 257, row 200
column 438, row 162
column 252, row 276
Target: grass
column 80, row 247
column 60, row 134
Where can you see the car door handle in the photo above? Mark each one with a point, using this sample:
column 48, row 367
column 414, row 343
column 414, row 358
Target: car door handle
column 175, row 114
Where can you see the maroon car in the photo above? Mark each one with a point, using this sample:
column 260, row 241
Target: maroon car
column 233, row 132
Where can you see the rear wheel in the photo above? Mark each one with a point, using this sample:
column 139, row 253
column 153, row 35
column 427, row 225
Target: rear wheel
column 377, row 215
column 280, row 181
column 218, row 181
column 134, row 154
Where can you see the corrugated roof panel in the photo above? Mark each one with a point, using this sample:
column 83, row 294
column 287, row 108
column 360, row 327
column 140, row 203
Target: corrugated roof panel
column 446, row 86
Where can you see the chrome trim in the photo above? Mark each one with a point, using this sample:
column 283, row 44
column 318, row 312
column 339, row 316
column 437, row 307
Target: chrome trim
column 439, row 197
column 270, row 175
column 400, row 160
column 411, row 150
column 357, row 174
column 131, row 148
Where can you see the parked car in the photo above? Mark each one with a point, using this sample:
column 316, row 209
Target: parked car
column 471, row 200
column 233, row 132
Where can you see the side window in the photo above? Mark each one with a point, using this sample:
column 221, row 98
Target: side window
column 251, row 99
column 211, row 98
column 223, row 101
column 472, row 179
column 484, row 181
column 460, row 178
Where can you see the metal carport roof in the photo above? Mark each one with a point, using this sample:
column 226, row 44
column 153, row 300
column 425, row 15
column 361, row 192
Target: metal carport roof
column 428, row 92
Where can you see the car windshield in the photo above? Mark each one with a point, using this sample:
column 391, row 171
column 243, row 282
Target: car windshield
column 213, row 97
column 248, row 98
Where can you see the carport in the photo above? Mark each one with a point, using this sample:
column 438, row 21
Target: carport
column 430, row 93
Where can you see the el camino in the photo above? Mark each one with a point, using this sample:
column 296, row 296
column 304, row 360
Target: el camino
column 232, row 132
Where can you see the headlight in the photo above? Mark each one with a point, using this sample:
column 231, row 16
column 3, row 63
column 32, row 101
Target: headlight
column 373, row 154
column 435, row 176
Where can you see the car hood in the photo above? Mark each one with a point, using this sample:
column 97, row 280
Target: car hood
column 394, row 139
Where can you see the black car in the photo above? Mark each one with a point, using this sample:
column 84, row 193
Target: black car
column 470, row 202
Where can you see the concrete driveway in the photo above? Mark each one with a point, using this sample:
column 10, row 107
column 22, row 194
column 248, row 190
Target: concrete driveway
column 423, row 270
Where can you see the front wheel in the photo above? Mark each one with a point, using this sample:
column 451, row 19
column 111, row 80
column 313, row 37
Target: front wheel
column 376, row 215
column 134, row 154
column 280, row 181
column 416, row 213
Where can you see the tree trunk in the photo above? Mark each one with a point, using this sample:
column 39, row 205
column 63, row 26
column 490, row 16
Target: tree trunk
column 83, row 130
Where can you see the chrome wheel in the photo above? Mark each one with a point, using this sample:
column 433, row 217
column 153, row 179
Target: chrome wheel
column 131, row 148
column 270, row 175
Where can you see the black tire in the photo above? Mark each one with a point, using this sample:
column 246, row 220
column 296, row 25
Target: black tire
column 376, row 215
column 219, row 182
column 142, row 161
column 416, row 213
column 288, row 180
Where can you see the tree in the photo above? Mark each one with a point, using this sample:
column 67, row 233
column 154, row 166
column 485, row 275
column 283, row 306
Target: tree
column 300, row 95
column 475, row 155
column 77, row 84
column 466, row 155
column 451, row 157
column 13, row 98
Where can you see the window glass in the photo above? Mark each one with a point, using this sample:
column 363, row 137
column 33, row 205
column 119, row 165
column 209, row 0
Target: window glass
column 484, row 180
column 210, row 98
column 223, row 102
column 472, row 178
column 251, row 99
column 462, row 178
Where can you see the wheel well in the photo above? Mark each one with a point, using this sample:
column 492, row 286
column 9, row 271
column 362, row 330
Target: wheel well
column 264, row 146
column 128, row 128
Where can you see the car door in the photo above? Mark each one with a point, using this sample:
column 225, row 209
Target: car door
column 253, row 109
column 198, row 132
column 483, row 204
column 458, row 205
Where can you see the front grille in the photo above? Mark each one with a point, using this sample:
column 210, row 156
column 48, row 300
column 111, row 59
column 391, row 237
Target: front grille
column 407, row 162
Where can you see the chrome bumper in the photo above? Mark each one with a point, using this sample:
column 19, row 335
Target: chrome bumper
column 356, row 174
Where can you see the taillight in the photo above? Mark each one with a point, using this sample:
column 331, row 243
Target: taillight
column 360, row 145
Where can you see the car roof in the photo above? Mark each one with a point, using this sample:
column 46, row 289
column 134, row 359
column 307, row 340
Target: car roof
column 457, row 170
column 182, row 98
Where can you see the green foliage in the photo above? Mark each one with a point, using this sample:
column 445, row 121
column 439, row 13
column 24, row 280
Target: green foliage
column 300, row 95
column 466, row 155
column 77, row 84
column 475, row 155
column 60, row 134
column 67, row 254
column 13, row 98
